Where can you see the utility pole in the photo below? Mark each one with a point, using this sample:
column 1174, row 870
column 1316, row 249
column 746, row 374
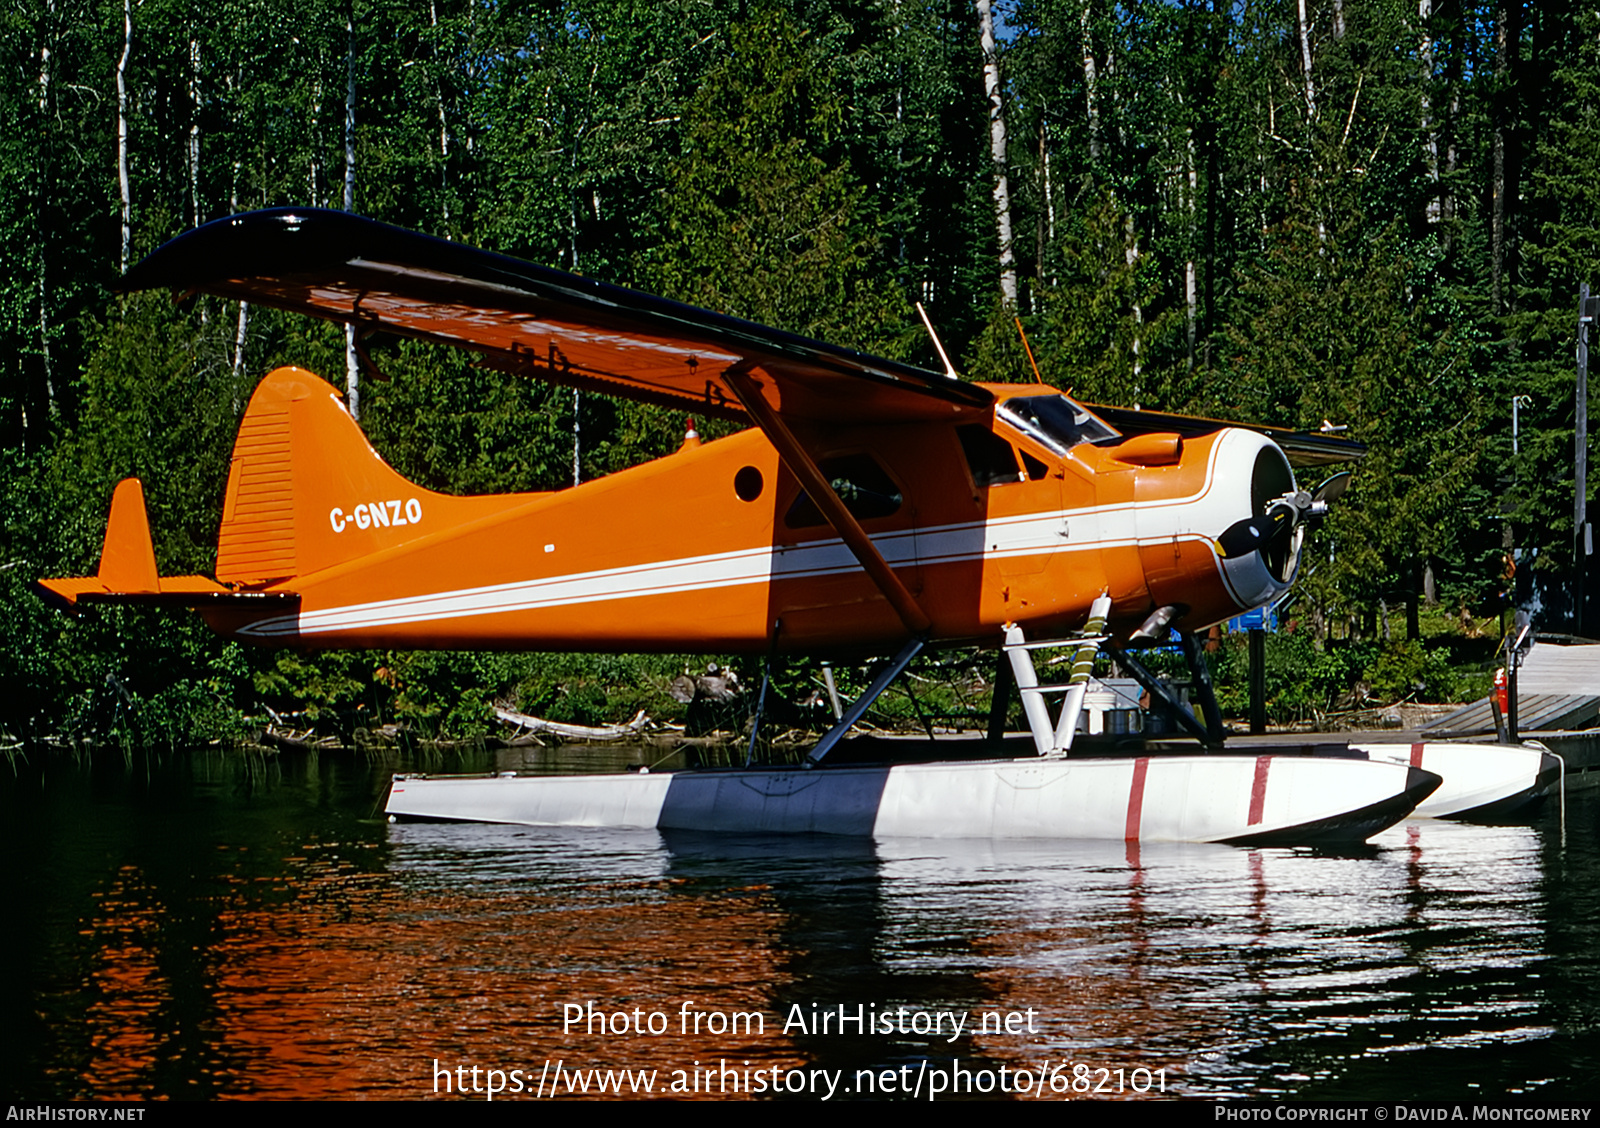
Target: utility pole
column 1582, row 532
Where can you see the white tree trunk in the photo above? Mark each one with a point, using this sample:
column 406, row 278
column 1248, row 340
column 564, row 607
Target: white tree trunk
column 577, row 397
column 1303, row 26
column 316, row 141
column 1430, row 132
column 241, row 331
column 123, row 185
column 1131, row 253
column 352, row 362
column 198, row 217
column 43, row 288
column 997, row 154
column 239, row 339
column 1191, row 290
column 1047, row 207
column 444, row 125
column 1091, row 85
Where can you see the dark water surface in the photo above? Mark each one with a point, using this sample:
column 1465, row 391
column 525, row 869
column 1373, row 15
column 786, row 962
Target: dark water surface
column 221, row 925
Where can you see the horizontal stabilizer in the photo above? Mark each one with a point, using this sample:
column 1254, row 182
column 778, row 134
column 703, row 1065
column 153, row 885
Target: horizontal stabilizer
column 128, row 569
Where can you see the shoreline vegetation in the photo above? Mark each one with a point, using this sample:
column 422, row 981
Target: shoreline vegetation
column 446, row 700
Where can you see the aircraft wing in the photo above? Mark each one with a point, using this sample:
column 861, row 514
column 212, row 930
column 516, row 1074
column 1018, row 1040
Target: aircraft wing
column 538, row 321
column 1303, row 448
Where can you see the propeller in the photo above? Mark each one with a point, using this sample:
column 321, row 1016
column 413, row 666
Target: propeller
column 1281, row 518
column 1328, row 493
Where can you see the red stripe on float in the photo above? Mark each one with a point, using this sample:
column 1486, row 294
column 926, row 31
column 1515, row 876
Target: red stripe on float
column 1258, row 789
column 1416, row 755
column 1136, row 798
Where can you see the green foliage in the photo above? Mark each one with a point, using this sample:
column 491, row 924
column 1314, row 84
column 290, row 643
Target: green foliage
column 1098, row 326
column 596, row 689
column 1303, row 680
column 160, row 403
column 451, row 425
column 761, row 223
column 325, row 685
column 1306, row 681
column 1336, row 324
column 1411, row 670
column 1563, row 251
column 440, row 694
column 155, row 406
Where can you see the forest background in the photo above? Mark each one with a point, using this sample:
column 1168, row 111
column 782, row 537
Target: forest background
column 1373, row 212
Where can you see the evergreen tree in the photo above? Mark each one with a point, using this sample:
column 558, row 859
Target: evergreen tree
column 764, row 219
column 1339, row 325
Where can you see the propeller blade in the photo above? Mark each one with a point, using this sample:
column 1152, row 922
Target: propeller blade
column 1254, row 533
column 1238, row 539
column 1332, row 489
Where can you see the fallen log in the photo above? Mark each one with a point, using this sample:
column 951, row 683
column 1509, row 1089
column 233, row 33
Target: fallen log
column 577, row 732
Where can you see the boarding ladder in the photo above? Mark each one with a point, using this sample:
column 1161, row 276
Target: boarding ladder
column 1054, row 741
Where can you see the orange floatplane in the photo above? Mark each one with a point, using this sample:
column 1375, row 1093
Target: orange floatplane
column 873, row 507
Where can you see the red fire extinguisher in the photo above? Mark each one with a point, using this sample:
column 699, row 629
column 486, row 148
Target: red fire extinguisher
column 1501, row 698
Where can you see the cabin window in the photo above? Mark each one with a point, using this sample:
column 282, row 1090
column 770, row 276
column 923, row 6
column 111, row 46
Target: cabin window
column 861, row 483
column 1056, row 421
column 989, row 457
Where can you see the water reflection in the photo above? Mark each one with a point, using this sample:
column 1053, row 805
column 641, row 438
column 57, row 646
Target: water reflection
column 205, row 929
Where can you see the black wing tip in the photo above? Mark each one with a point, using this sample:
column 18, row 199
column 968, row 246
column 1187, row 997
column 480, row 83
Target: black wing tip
column 267, row 241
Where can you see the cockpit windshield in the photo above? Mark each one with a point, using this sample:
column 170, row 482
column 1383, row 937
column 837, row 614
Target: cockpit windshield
column 1056, row 421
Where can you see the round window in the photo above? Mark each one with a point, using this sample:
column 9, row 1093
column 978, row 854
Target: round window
column 747, row 483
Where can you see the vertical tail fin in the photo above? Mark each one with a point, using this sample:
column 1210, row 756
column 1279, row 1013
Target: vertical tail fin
column 305, row 489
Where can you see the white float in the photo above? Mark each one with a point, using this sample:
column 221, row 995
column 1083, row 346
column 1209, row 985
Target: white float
column 1241, row 799
column 1481, row 781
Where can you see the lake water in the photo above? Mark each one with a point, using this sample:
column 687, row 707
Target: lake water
column 221, row 925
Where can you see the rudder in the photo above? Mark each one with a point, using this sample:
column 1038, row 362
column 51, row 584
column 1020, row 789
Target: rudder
column 306, row 490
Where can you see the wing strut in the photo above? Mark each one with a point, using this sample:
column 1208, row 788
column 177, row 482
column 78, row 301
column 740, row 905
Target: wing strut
column 803, row 467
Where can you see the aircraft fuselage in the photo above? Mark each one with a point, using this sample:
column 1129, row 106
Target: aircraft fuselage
column 716, row 547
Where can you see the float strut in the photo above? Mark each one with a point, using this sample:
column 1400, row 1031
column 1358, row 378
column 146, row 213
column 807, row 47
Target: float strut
column 1056, row 740
column 1200, row 671
column 861, row 704
column 1005, row 683
column 1159, row 690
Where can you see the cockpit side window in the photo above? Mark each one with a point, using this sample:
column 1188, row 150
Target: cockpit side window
column 861, row 483
column 1055, row 421
column 989, row 457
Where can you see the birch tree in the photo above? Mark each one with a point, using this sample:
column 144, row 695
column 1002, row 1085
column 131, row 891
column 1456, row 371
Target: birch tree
column 125, row 189
column 352, row 360
column 997, row 154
